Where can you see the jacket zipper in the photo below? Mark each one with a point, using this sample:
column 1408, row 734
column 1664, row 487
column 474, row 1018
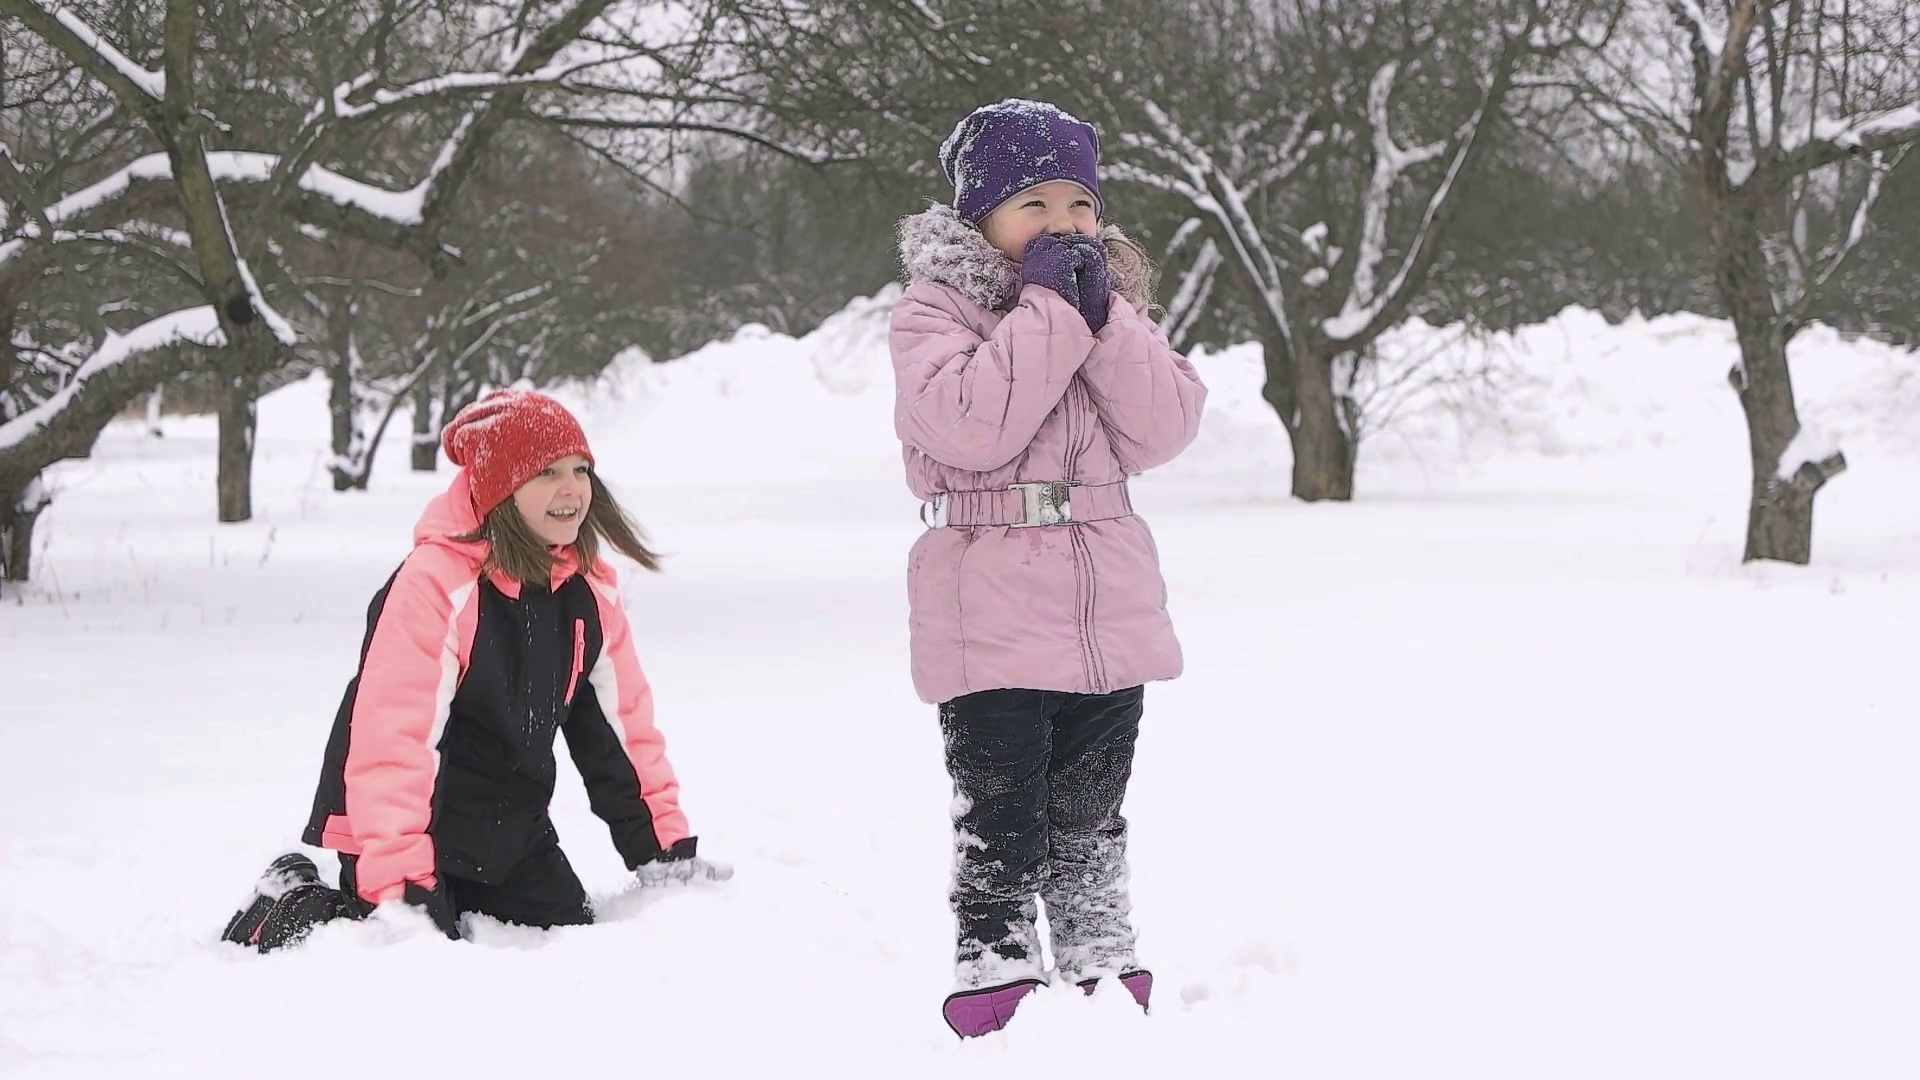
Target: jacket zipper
column 579, row 658
column 1082, row 558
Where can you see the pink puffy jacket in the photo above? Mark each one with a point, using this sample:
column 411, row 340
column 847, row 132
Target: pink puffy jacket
column 998, row 385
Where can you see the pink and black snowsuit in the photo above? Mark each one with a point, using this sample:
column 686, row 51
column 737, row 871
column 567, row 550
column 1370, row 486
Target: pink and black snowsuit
column 441, row 760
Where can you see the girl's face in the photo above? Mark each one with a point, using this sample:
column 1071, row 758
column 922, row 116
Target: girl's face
column 554, row 504
column 1057, row 206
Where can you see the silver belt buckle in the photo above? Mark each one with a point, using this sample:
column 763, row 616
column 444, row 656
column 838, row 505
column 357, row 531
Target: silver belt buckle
column 1047, row 503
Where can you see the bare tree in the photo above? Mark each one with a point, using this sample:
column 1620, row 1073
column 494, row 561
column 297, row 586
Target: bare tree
column 1312, row 151
column 1789, row 119
column 229, row 252
column 223, row 140
column 1325, row 176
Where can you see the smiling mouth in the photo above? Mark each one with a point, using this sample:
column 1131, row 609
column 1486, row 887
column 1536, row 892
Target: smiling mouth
column 564, row 515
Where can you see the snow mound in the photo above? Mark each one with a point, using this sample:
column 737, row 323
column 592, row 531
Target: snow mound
column 764, row 405
column 1574, row 386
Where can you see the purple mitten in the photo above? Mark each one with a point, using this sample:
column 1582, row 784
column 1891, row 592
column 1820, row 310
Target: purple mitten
column 1053, row 262
column 1094, row 280
column 972, row 1013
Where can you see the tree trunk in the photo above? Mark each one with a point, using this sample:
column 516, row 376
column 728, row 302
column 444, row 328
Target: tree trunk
column 155, row 401
column 9, row 358
column 340, row 405
column 19, row 510
column 237, row 418
column 1779, row 509
column 1323, row 444
column 1318, row 416
column 426, row 439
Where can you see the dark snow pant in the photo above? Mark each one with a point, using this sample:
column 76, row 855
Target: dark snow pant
column 540, row 891
column 1038, row 780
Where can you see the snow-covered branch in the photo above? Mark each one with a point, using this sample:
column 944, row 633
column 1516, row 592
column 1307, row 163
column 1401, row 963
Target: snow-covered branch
column 1837, row 139
column 1187, row 231
column 1196, row 286
column 1390, row 161
column 192, row 326
column 1173, row 157
column 1221, row 199
column 86, row 47
column 129, row 234
column 1862, row 214
column 460, row 156
column 1706, row 40
column 244, row 167
column 277, row 323
column 1357, row 315
column 1127, row 172
column 1813, row 452
column 1298, row 144
column 1855, row 132
column 452, row 85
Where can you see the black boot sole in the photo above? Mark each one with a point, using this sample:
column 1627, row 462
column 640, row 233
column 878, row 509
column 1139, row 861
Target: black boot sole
column 288, row 872
column 244, row 927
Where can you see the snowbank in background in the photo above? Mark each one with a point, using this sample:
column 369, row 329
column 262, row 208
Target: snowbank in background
column 1573, row 386
column 758, row 405
column 763, row 404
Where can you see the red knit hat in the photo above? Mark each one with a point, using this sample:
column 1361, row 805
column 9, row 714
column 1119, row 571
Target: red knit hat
column 506, row 438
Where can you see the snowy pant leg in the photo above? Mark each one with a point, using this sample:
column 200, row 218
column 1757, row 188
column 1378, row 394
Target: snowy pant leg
column 1088, row 909
column 997, row 747
column 540, row 891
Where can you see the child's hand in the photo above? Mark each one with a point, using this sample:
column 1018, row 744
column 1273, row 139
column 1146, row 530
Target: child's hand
column 1053, row 262
column 1093, row 280
column 681, row 872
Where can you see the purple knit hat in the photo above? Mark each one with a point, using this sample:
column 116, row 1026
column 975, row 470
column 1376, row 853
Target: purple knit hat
column 1001, row 150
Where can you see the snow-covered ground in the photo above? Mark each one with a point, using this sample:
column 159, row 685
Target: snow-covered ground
column 1509, row 769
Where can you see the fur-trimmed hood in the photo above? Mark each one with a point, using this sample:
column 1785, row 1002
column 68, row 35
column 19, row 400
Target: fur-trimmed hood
column 936, row 245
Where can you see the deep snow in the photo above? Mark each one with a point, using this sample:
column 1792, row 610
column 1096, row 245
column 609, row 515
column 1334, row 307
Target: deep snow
column 1509, row 769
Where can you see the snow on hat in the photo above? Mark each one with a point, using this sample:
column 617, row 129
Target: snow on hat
column 504, row 439
column 1001, row 150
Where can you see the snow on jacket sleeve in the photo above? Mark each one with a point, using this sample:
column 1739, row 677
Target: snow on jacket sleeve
column 1148, row 396
column 412, row 668
column 621, row 755
column 975, row 403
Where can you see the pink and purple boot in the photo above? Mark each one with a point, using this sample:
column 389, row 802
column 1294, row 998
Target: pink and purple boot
column 972, row 1013
column 1138, row 983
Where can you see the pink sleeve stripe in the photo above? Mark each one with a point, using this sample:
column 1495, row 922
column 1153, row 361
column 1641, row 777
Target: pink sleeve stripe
column 414, row 663
column 627, row 700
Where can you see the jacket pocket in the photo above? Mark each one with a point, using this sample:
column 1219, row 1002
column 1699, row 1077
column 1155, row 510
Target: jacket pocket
column 579, row 658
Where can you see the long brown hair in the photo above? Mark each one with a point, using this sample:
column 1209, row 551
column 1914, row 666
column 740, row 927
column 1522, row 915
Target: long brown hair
column 514, row 550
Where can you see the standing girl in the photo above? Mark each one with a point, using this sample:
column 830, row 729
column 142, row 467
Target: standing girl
column 1030, row 383
column 501, row 629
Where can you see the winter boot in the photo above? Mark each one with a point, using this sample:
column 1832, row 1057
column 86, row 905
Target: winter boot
column 996, row 964
column 298, row 911
column 972, row 1013
column 1138, row 983
column 284, row 874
